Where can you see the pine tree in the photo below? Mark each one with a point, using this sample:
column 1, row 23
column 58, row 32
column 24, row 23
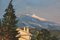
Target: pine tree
column 9, row 23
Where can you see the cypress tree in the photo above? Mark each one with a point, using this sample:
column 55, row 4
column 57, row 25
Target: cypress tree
column 9, row 23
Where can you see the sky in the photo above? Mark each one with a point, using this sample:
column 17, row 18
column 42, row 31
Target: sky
column 49, row 9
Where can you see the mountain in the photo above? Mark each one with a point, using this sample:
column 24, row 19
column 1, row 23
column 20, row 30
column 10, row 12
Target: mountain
column 34, row 21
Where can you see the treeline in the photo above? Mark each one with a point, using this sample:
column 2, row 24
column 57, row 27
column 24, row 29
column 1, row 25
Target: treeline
column 43, row 34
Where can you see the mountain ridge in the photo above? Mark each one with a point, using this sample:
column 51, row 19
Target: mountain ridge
column 28, row 20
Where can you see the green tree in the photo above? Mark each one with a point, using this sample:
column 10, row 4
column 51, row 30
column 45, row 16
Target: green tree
column 43, row 35
column 9, row 23
column 34, row 34
column 54, row 38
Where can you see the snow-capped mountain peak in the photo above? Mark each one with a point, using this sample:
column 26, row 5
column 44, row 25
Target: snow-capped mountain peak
column 40, row 18
column 37, row 17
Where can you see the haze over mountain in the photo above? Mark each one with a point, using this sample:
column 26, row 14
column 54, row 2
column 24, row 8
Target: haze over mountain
column 49, row 9
column 34, row 21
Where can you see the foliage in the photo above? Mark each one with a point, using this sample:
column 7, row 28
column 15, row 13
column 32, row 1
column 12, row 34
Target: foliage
column 43, row 34
column 9, row 23
column 54, row 38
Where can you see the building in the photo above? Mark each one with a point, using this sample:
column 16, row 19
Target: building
column 24, row 33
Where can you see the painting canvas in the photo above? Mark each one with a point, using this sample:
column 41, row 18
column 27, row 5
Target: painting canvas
column 29, row 19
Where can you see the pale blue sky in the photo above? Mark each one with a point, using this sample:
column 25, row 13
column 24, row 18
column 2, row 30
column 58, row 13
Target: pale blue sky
column 49, row 9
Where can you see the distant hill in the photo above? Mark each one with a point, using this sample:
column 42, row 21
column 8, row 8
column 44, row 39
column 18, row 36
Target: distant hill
column 34, row 21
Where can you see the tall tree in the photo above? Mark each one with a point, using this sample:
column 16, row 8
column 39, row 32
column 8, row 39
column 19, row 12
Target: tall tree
column 9, row 23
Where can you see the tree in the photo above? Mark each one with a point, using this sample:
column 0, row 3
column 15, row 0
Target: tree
column 34, row 34
column 9, row 23
column 54, row 38
column 43, row 35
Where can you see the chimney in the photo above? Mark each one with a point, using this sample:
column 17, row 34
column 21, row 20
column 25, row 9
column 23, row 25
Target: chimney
column 27, row 29
column 24, row 29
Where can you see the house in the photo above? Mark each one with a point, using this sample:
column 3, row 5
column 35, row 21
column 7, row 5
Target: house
column 24, row 33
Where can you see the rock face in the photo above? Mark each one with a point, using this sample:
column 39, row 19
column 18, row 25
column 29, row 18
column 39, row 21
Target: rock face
column 37, row 22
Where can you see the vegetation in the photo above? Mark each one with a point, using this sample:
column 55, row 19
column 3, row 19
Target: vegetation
column 44, row 35
column 8, row 28
column 9, row 23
